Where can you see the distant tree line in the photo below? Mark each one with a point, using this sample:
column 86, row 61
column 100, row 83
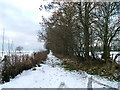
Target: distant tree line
column 76, row 29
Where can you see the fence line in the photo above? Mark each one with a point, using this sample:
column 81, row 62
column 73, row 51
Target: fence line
column 90, row 80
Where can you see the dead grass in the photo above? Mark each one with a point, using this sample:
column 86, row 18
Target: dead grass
column 108, row 69
column 15, row 64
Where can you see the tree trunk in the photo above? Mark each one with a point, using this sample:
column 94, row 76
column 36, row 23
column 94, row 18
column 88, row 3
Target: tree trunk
column 106, row 48
column 86, row 36
column 105, row 52
column 86, row 31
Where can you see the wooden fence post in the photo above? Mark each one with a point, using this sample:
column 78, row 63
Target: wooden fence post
column 118, row 85
column 89, row 85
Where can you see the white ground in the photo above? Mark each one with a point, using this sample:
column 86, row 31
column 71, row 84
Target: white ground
column 50, row 75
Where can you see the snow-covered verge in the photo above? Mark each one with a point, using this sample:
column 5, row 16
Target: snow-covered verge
column 51, row 75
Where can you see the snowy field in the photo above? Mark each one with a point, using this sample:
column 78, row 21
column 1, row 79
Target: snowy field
column 23, row 52
column 51, row 75
column 112, row 55
column 15, row 53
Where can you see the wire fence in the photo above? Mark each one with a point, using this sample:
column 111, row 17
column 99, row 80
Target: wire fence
column 91, row 80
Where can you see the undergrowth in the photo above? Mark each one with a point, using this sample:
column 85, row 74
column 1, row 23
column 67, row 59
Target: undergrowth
column 108, row 69
column 15, row 64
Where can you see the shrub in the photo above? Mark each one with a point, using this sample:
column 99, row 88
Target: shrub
column 15, row 64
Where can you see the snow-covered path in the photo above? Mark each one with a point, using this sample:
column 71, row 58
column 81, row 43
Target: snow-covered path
column 50, row 75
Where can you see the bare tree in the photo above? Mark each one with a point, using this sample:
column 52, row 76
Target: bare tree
column 86, row 20
column 108, row 24
column 19, row 48
column 78, row 28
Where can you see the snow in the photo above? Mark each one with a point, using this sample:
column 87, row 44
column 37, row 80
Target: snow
column 52, row 75
column 112, row 55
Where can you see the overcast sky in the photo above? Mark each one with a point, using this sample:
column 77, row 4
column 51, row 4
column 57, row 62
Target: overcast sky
column 20, row 18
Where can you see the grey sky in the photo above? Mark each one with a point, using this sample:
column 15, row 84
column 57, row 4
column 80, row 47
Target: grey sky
column 21, row 18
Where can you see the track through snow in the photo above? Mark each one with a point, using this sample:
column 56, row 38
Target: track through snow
column 51, row 75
